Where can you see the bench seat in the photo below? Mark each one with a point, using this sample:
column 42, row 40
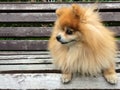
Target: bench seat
column 34, row 70
column 25, row 62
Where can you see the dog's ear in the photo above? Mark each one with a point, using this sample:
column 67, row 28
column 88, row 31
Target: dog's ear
column 60, row 11
column 76, row 10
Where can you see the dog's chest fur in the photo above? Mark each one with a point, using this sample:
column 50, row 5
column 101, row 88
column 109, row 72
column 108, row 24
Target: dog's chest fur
column 82, row 60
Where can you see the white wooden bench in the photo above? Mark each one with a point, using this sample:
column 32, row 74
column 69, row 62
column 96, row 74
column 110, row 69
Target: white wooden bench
column 25, row 62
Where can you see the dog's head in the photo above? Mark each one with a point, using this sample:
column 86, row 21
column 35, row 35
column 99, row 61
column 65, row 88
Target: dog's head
column 68, row 24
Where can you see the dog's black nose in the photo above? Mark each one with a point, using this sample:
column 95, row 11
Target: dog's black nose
column 58, row 37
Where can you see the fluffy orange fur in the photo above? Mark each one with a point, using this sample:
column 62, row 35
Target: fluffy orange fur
column 94, row 49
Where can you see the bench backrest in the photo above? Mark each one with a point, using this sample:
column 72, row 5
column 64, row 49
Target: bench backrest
column 26, row 26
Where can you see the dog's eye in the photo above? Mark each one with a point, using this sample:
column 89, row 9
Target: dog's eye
column 69, row 31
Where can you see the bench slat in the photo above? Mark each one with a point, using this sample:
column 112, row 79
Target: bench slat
column 30, row 45
column 110, row 16
column 8, row 53
column 27, row 68
column 53, row 81
column 23, row 45
column 21, row 61
column 25, row 61
column 32, row 67
column 48, row 17
column 27, row 17
column 116, row 30
column 37, row 31
column 13, row 57
column 25, row 31
column 30, row 59
column 53, row 6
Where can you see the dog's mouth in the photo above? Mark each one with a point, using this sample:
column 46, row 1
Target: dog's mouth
column 67, row 42
column 62, row 41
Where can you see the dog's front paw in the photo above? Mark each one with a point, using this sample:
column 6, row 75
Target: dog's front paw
column 111, row 78
column 66, row 78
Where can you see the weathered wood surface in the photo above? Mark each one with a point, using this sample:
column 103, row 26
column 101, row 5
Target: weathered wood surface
column 116, row 30
column 44, row 68
column 35, row 13
column 48, row 17
column 53, row 6
column 34, row 70
column 30, row 45
column 26, row 31
column 25, row 61
column 23, row 45
column 38, row 31
column 6, row 53
column 13, row 57
column 36, row 67
column 53, row 81
column 31, row 61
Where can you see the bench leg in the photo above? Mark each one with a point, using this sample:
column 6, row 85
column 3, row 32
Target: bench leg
column 110, row 75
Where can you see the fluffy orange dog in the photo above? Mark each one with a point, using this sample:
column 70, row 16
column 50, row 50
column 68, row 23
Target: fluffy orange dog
column 80, row 43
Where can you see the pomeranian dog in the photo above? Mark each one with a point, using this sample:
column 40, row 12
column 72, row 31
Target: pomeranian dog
column 81, row 43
